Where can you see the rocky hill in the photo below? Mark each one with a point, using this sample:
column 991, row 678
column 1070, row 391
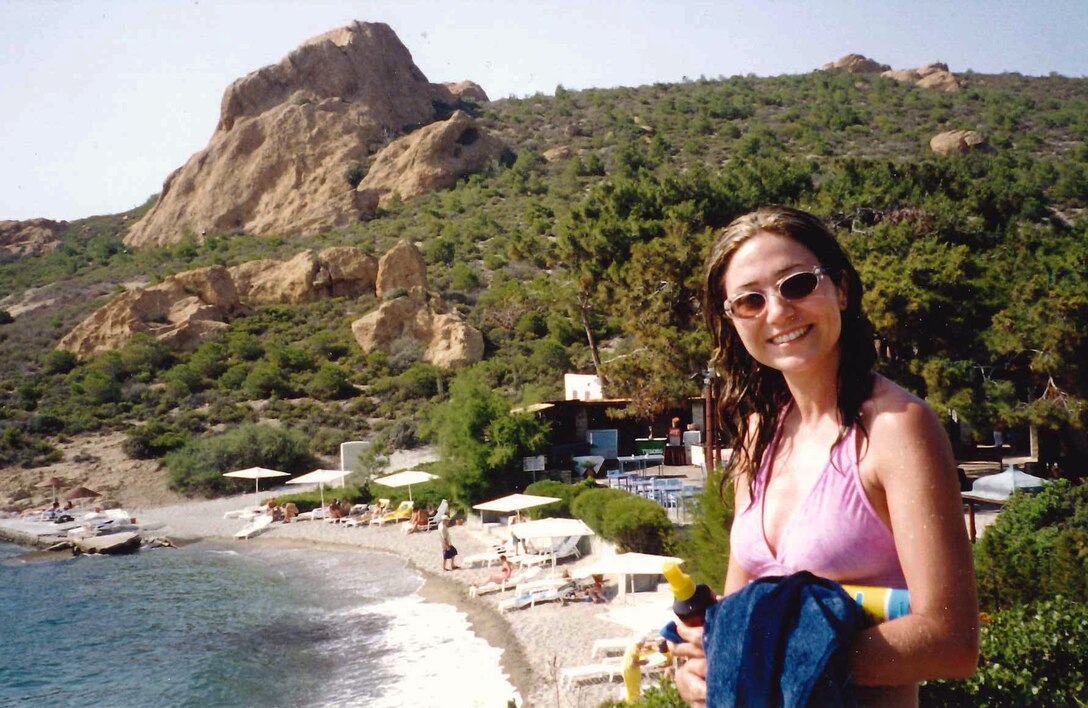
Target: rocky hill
column 290, row 136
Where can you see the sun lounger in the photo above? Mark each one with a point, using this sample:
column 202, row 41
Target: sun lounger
column 531, row 599
column 255, row 527
column 521, row 576
column 603, row 672
column 614, row 646
column 565, row 549
column 402, row 513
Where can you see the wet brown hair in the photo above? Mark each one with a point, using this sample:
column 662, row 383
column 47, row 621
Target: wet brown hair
column 746, row 386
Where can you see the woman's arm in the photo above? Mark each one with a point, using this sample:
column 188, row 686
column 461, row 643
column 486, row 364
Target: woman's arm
column 911, row 461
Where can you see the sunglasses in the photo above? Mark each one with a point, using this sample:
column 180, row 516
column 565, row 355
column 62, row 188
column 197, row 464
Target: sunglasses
column 795, row 286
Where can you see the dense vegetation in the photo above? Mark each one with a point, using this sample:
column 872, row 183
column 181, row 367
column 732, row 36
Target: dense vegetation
column 975, row 268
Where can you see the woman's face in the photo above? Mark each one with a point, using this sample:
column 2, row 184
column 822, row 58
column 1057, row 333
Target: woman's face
column 792, row 336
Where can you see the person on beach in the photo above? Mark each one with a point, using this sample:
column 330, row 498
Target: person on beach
column 837, row 470
column 419, row 521
column 505, row 570
column 449, row 551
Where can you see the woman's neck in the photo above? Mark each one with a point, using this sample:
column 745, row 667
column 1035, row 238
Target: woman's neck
column 815, row 395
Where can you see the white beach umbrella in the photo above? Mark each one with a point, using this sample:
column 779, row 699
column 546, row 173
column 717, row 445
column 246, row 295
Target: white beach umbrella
column 406, row 479
column 551, row 528
column 320, row 477
column 625, row 565
column 256, row 474
column 515, row 502
column 643, row 618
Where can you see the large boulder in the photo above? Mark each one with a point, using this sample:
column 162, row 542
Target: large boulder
column 310, row 276
column 182, row 311
column 33, row 237
column 957, row 142
column 401, row 267
column 856, row 64
column 431, row 158
column 467, row 90
column 932, row 76
column 289, row 132
column 447, row 341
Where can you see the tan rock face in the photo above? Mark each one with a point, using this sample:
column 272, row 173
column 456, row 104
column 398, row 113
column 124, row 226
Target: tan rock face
column 856, row 64
column 563, row 152
column 401, row 267
column 182, row 311
column 468, row 90
column 448, row 342
column 308, row 277
column 956, row 142
column 932, row 76
column 33, row 237
column 286, row 135
column 433, row 157
column 190, row 307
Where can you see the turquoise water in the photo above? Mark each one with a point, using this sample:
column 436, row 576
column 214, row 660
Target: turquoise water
column 210, row 625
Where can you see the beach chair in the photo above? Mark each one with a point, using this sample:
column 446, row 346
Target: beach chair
column 255, row 527
column 487, row 558
column 515, row 579
column 432, row 521
column 564, row 549
column 401, row 513
column 532, row 599
column 604, row 672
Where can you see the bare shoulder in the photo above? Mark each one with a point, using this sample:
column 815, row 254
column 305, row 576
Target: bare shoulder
column 900, row 423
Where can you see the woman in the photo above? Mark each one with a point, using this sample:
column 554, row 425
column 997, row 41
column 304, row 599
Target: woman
column 837, row 470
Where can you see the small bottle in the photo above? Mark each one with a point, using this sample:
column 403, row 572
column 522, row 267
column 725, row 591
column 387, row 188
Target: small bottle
column 691, row 599
column 880, row 604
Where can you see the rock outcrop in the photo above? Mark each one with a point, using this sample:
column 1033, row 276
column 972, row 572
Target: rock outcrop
column 856, row 64
column 33, row 237
column 289, row 132
column 182, row 311
column 957, row 142
column 433, row 157
column 467, row 90
column 446, row 340
column 932, row 76
column 308, row 277
column 188, row 308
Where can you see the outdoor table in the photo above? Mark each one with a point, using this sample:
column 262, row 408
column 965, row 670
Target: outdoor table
column 971, row 500
column 641, row 460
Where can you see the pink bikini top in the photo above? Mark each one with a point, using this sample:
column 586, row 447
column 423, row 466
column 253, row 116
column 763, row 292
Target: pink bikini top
column 835, row 532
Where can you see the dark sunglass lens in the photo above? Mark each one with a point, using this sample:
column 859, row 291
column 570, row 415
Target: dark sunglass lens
column 749, row 305
column 798, row 285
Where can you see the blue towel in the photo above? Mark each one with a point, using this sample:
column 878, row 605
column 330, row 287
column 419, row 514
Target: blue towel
column 781, row 641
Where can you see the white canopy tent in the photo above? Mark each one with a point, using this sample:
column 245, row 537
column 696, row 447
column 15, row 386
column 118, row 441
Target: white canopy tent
column 256, row 474
column 406, row 479
column 320, row 477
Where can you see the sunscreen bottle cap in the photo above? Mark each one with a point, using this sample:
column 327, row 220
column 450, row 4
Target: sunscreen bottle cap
column 679, row 581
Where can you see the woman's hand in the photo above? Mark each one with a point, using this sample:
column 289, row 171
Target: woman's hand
column 691, row 676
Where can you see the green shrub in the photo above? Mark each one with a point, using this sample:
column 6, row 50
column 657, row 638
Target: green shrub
column 331, row 382
column 706, row 547
column 663, row 695
column 589, row 506
column 554, row 488
column 636, row 524
column 266, row 379
column 1032, row 655
column 1036, row 549
column 198, row 466
column 306, row 501
column 152, row 440
column 59, row 361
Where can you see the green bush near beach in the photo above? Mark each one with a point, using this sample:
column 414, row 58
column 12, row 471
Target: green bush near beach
column 566, row 493
column 1036, row 549
column 634, row 524
column 1031, row 655
column 198, row 466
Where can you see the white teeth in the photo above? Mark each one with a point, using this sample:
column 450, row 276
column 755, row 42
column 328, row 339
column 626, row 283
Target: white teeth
column 790, row 336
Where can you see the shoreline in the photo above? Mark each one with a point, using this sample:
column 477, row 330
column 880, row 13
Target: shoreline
column 535, row 643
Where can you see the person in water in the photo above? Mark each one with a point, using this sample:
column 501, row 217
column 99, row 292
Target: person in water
column 837, row 470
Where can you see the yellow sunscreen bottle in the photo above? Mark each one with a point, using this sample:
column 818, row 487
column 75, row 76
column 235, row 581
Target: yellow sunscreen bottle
column 880, row 604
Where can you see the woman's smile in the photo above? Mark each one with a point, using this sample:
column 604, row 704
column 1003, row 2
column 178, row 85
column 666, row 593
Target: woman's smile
column 791, row 336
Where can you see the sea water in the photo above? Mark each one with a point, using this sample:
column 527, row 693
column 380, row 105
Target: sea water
column 215, row 625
